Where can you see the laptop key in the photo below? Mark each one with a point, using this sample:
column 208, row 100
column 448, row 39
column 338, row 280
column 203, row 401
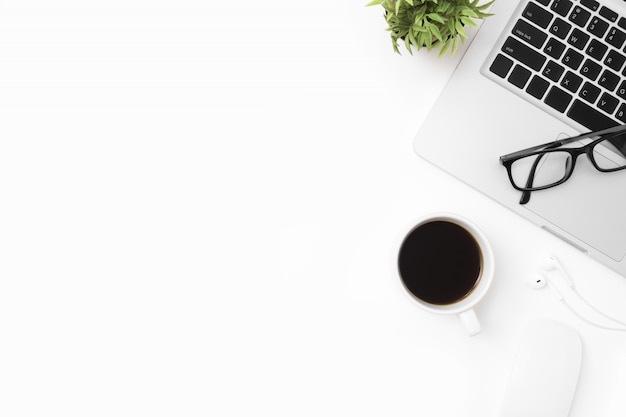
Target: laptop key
column 621, row 91
column 589, row 92
column 608, row 14
column 609, row 80
column 589, row 117
column 519, row 76
column 529, row 33
column 608, row 103
column 615, row 60
column 553, row 71
column 572, row 59
column 578, row 39
column 579, row 16
column 598, row 27
column 590, row 69
column 621, row 113
column 596, row 49
column 501, row 66
column 537, row 15
column 590, row 4
column 558, row 99
column 537, row 87
column 554, row 48
column 571, row 81
column 562, row 7
column 523, row 53
column 560, row 28
column 615, row 38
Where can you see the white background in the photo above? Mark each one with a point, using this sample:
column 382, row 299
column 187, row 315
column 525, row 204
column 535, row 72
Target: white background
column 200, row 206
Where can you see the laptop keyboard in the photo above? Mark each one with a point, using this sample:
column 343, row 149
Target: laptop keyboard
column 568, row 55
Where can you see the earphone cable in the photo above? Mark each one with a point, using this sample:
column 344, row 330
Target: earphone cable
column 597, row 310
column 577, row 314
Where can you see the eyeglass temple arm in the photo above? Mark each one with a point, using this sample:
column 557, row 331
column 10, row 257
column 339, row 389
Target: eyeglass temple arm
column 531, row 177
column 560, row 142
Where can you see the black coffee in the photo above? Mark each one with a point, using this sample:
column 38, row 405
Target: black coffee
column 440, row 262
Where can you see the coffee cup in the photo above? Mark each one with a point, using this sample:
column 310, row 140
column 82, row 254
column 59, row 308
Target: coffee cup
column 446, row 265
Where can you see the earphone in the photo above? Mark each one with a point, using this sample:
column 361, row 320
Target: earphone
column 540, row 280
column 550, row 263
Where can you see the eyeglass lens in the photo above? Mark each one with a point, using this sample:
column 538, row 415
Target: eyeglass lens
column 544, row 170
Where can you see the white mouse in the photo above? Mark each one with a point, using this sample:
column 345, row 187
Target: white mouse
column 545, row 373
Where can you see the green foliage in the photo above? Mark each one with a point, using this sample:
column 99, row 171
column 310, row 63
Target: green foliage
column 431, row 23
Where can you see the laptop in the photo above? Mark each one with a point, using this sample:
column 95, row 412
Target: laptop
column 537, row 71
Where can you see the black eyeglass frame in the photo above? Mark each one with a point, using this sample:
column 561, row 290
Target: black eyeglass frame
column 555, row 146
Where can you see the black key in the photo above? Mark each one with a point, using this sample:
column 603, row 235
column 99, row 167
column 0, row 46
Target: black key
column 537, row 87
column 553, row 71
column 621, row 91
column 615, row 60
column 572, row 59
column 589, row 117
column 596, row 49
column 554, row 48
column 544, row 2
column 519, row 76
column 609, row 80
column 590, row 69
column 578, row 39
column 525, row 54
column 615, row 38
column 571, row 81
column 589, row 92
column 501, row 66
column 558, row 99
column 562, row 6
column 579, row 16
column 529, row 33
column 590, row 4
column 621, row 23
column 537, row 15
column 597, row 27
column 560, row 28
column 608, row 14
column 607, row 103
column 621, row 113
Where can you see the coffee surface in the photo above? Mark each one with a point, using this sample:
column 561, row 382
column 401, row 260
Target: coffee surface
column 440, row 262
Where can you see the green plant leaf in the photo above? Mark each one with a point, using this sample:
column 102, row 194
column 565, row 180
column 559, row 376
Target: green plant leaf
column 435, row 31
column 468, row 22
column 398, row 4
column 436, row 17
column 469, row 12
column 460, row 29
column 407, row 44
column 444, row 48
column 431, row 24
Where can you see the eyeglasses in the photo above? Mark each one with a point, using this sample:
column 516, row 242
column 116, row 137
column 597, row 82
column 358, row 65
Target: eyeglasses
column 548, row 165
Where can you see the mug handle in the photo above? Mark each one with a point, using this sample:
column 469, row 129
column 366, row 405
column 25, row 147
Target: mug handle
column 470, row 322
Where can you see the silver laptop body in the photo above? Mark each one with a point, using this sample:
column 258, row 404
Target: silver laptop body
column 485, row 112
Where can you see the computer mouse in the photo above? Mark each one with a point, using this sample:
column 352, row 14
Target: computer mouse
column 545, row 372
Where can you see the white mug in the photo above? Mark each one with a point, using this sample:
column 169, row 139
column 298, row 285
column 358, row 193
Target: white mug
column 446, row 264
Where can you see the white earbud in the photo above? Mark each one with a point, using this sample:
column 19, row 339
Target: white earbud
column 539, row 281
column 551, row 263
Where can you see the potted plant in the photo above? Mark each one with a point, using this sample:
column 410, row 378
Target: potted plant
column 431, row 23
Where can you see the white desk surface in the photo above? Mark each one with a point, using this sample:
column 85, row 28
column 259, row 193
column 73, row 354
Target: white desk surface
column 200, row 203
